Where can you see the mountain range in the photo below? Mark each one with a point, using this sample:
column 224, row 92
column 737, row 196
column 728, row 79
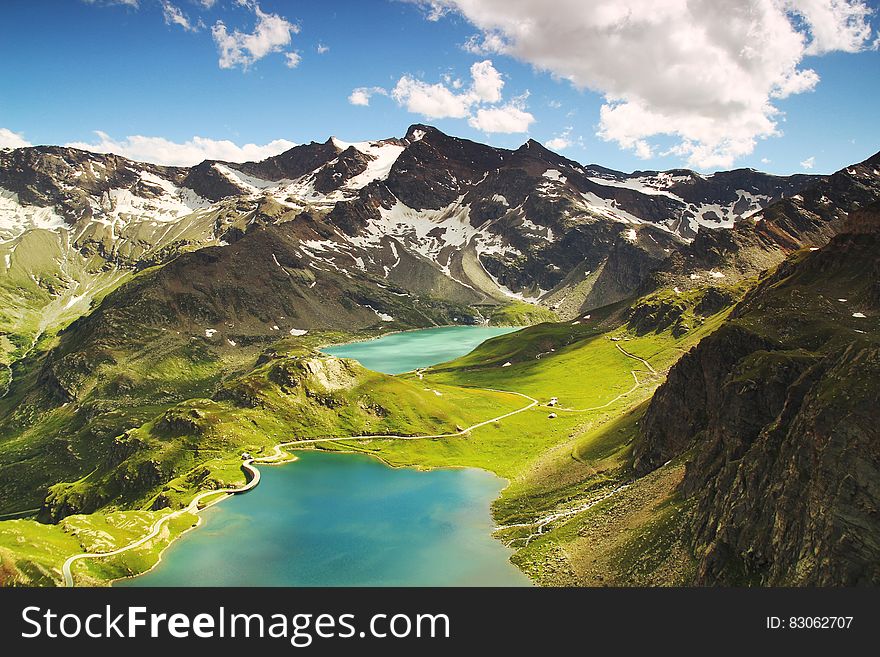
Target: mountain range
column 428, row 214
column 144, row 306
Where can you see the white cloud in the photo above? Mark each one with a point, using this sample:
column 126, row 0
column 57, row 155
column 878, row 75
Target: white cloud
column 704, row 75
column 642, row 149
column 322, row 49
column 434, row 101
column 809, row 163
column 9, row 139
column 361, row 96
column 487, row 82
column 557, row 143
column 159, row 150
column 765, row 160
column 434, row 11
column 127, row 3
column 479, row 102
column 292, row 59
column 272, row 33
column 452, row 81
column 833, row 24
column 796, row 83
column 174, row 16
column 207, row 4
column 563, row 140
column 507, row 118
column 491, row 43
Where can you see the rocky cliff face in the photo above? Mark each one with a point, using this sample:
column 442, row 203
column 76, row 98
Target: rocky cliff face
column 776, row 416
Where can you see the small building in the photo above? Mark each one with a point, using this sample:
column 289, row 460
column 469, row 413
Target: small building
column 553, row 401
column 551, row 416
column 246, row 456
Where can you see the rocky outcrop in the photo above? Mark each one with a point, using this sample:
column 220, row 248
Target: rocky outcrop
column 693, row 398
column 800, row 502
column 206, row 181
column 73, row 180
column 348, row 164
column 776, row 417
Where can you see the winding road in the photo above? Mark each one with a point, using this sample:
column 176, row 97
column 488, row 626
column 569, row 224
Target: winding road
column 620, row 396
column 254, row 479
column 193, row 507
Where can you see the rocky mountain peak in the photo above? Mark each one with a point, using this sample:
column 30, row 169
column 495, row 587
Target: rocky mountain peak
column 418, row 131
column 534, row 146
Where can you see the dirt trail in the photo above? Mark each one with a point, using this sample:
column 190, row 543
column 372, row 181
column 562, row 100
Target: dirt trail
column 638, row 383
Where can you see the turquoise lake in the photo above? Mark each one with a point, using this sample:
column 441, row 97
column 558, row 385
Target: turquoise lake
column 332, row 519
column 410, row 350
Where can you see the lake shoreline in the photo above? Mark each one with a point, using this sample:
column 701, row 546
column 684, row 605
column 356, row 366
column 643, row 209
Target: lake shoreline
column 294, row 455
column 291, row 457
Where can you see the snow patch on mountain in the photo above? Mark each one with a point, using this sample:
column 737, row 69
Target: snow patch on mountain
column 119, row 207
column 383, row 316
column 16, row 217
column 636, row 184
column 543, row 232
column 383, row 158
column 427, row 232
column 250, row 184
column 608, row 208
column 553, row 174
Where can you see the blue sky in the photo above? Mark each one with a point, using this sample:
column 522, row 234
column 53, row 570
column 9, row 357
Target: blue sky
column 155, row 68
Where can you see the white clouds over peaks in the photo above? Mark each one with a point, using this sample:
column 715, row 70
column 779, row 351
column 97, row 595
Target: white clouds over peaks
column 507, row 118
column 563, row 140
column 702, row 72
column 9, row 139
column 809, row 163
column 361, row 96
column 478, row 102
column 434, row 101
column 272, row 33
column 159, row 150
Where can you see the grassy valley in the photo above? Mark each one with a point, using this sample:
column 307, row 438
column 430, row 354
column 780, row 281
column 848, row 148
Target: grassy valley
column 176, row 414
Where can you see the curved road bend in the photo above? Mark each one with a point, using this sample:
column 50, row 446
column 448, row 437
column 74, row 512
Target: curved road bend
column 193, row 508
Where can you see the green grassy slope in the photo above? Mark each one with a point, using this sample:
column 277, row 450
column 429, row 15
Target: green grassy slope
column 152, row 426
column 145, row 456
column 570, row 481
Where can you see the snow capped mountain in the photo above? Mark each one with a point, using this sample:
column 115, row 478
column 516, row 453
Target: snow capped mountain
column 428, row 214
